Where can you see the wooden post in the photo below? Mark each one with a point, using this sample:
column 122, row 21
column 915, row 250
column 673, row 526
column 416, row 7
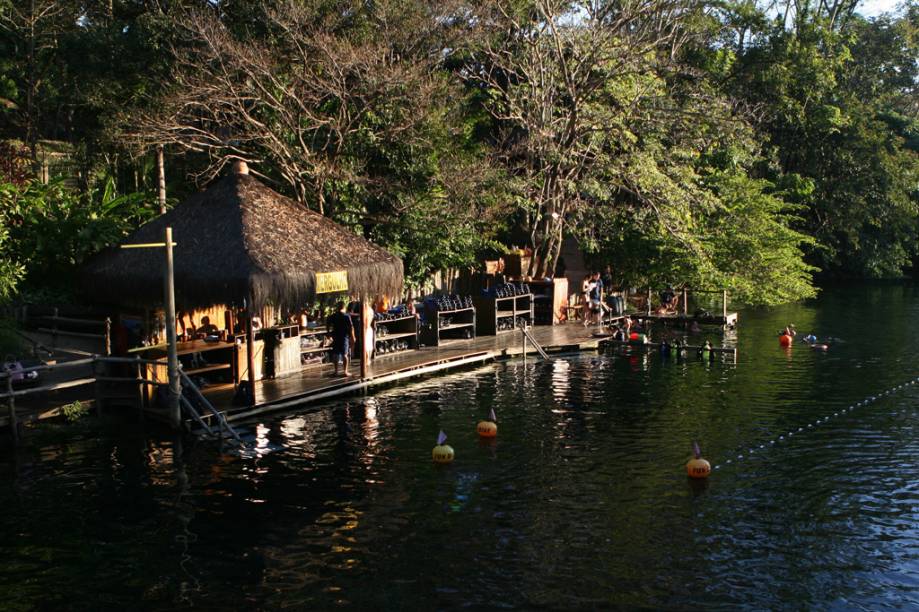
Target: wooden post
column 724, row 306
column 139, row 368
column 685, row 302
column 250, row 352
column 97, row 386
column 14, row 423
column 649, row 300
column 366, row 321
column 172, row 364
column 161, row 172
column 523, row 343
column 108, row 336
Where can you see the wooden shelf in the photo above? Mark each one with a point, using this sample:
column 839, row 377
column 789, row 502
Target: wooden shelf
column 400, row 322
column 314, row 349
column 454, row 311
column 456, row 326
column 550, row 298
column 313, row 331
column 460, row 318
column 491, row 309
column 378, row 338
column 401, row 328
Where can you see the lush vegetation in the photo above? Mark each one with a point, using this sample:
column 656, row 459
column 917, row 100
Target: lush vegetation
column 726, row 144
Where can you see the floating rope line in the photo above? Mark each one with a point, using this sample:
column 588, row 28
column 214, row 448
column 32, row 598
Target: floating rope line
column 782, row 437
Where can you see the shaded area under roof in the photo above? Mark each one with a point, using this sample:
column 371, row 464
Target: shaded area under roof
column 235, row 240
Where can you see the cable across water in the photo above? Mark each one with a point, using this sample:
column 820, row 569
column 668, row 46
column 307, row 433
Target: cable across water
column 791, row 433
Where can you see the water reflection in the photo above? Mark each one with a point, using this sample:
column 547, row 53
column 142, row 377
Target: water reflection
column 581, row 501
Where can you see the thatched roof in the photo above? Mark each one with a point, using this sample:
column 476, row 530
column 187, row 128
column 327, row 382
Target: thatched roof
column 239, row 239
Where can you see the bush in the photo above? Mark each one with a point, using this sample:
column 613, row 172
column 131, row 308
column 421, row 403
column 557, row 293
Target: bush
column 75, row 411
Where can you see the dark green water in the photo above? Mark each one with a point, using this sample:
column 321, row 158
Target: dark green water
column 581, row 503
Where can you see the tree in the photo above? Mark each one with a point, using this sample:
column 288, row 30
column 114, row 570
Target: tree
column 53, row 228
column 568, row 85
column 347, row 106
column 832, row 98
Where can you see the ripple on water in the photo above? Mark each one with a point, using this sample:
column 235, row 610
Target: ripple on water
column 581, row 502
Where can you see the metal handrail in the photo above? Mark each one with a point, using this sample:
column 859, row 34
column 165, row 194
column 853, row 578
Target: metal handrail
column 529, row 336
column 187, row 383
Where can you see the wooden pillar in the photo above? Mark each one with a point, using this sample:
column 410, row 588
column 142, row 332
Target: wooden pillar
column 366, row 322
column 250, row 352
column 724, row 306
column 685, row 302
column 175, row 388
column 97, row 385
column 649, row 300
column 523, row 342
column 108, row 336
column 139, row 372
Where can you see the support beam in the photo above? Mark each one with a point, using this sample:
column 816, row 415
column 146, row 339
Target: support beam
column 172, row 365
column 250, row 352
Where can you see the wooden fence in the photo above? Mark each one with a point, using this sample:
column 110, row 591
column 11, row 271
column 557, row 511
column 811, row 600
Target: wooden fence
column 95, row 377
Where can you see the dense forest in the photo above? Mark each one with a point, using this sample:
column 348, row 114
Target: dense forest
column 740, row 144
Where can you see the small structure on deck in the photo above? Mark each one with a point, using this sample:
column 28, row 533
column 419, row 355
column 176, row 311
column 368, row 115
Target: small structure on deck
column 682, row 316
column 241, row 244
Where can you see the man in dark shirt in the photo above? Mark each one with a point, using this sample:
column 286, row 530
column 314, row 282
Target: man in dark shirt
column 342, row 330
column 596, row 296
column 669, row 300
column 207, row 328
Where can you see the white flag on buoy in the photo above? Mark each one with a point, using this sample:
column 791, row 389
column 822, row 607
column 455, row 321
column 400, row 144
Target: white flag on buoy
column 441, row 437
column 491, row 415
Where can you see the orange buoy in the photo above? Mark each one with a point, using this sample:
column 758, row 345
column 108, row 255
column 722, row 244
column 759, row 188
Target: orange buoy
column 442, row 453
column 785, row 340
column 697, row 467
column 488, row 428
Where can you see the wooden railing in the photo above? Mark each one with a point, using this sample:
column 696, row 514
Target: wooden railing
column 10, row 393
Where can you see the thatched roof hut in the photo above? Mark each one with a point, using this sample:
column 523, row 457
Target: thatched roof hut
column 241, row 240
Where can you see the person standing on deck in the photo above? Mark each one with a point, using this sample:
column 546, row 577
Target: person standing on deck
column 342, row 330
column 596, row 297
column 607, row 278
column 585, row 300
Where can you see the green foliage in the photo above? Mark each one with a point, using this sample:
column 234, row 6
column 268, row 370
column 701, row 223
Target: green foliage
column 11, row 270
column 754, row 253
column 839, row 114
column 75, row 411
column 747, row 158
column 53, row 227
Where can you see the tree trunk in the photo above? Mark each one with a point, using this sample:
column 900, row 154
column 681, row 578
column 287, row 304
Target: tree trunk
column 161, row 178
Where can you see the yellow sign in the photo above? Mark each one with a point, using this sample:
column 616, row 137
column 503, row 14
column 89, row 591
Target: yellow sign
column 331, row 282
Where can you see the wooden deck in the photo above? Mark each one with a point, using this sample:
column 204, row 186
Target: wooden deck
column 727, row 320
column 318, row 383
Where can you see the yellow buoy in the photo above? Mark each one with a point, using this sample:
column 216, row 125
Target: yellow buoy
column 442, row 453
column 488, row 429
column 697, row 467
